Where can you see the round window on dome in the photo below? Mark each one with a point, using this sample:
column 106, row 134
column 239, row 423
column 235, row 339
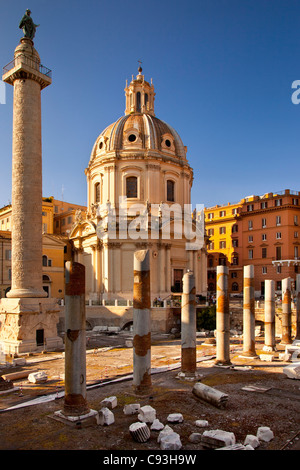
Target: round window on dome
column 132, row 138
column 101, row 145
column 168, row 143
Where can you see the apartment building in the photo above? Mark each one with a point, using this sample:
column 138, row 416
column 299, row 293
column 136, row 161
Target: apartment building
column 264, row 231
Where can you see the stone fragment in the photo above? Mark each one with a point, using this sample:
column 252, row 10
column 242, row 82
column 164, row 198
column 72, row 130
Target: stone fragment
column 110, row 402
column 106, row 417
column 157, row 425
column 147, row 414
column 38, row 377
column 131, row 409
column 170, row 441
column 19, row 361
column 285, row 357
column 210, row 395
column 235, row 447
column 139, row 432
column 292, row 371
column 217, row 438
column 266, row 357
column 195, row 437
column 165, row 431
column 201, row 423
column 251, row 440
column 175, row 418
column 265, row 434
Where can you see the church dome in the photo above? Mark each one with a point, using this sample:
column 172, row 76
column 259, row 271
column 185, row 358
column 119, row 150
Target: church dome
column 139, row 130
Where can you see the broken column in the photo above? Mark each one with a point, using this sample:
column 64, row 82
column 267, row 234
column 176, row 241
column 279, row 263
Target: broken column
column 270, row 315
column 75, row 341
column 141, row 322
column 249, row 313
column 297, row 336
column 223, row 319
column 188, row 325
column 286, row 316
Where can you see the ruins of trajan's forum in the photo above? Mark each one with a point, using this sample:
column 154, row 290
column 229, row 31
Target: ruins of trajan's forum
column 139, row 161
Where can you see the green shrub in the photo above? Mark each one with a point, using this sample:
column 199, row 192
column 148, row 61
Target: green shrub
column 206, row 318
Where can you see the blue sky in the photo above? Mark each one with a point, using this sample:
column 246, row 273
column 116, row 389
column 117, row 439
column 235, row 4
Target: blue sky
column 222, row 71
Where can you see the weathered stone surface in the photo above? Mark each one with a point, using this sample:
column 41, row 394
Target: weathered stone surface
column 131, row 409
column 165, row 431
column 170, row 441
column 147, row 414
column 139, row 432
column 265, row 434
column 217, row 438
column 251, row 440
column 292, row 371
column 267, row 357
column 110, row 402
column 195, row 437
column 175, row 418
column 106, row 417
column 38, row 377
column 157, row 425
column 211, row 395
column 201, row 423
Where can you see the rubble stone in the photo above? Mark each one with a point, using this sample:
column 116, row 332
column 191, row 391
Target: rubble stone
column 195, row 437
column 147, row 414
column 170, row 441
column 217, row 438
column 38, row 377
column 131, row 409
column 251, row 440
column 201, row 423
column 266, row 357
column 175, row 418
column 292, row 371
column 139, row 432
column 265, row 434
column 157, row 425
column 110, row 402
column 166, row 430
column 106, row 417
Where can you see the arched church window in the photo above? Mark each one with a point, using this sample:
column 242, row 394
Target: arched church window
column 45, row 260
column 97, row 192
column 146, row 100
column 170, row 191
column 138, row 102
column 131, row 186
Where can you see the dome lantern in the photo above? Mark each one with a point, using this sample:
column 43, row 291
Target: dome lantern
column 140, row 95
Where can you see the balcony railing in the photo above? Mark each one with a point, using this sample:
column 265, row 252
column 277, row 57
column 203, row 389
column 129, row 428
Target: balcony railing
column 34, row 64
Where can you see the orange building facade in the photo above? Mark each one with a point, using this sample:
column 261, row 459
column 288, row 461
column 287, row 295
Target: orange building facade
column 259, row 230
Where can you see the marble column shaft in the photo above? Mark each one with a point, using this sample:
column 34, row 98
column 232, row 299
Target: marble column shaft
column 141, row 322
column 188, row 325
column 223, row 319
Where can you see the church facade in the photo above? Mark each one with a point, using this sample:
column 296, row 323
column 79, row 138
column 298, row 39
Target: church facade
column 139, row 196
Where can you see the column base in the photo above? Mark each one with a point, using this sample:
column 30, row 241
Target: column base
column 26, row 293
column 87, row 419
column 249, row 355
column 29, row 325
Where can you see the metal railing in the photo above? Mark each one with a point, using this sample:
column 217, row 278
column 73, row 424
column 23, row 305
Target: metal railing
column 23, row 59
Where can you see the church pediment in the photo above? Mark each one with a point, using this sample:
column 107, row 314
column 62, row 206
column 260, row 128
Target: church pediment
column 83, row 229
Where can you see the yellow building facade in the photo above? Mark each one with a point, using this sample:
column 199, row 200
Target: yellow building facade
column 222, row 228
column 58, row 217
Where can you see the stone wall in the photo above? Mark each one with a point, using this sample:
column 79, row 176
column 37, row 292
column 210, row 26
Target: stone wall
column 163, row 319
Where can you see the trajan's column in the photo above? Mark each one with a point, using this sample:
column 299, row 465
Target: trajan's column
column 27, row 318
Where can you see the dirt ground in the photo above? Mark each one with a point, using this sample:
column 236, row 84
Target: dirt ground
column 109, row 369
